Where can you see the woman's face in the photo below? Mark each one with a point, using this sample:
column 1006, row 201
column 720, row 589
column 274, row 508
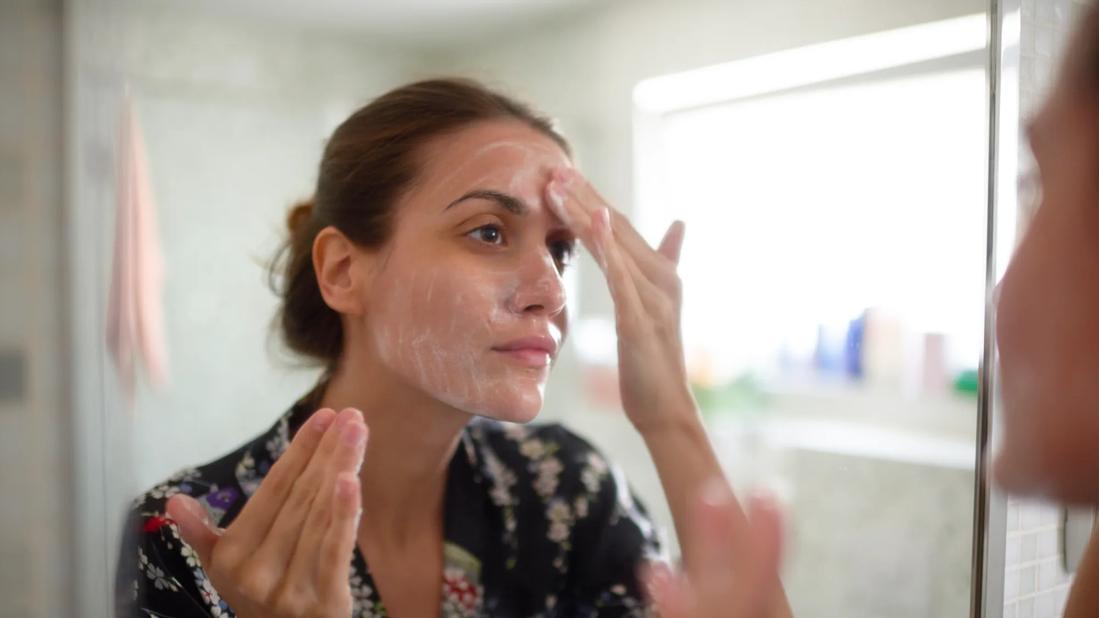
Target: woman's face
column 467, row 302
column 1048, row 312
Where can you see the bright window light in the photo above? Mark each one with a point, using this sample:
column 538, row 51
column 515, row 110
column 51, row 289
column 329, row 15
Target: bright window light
column 806, row 205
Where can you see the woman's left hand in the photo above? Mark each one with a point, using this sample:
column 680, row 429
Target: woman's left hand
column 647, row 295
column 656, row 396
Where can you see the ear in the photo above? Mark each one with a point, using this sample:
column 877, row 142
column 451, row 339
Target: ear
column 341, row 271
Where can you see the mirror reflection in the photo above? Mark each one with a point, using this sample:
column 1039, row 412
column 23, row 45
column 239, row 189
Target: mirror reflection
column 551, row 272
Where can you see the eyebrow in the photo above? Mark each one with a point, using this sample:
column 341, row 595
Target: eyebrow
column 511, row 203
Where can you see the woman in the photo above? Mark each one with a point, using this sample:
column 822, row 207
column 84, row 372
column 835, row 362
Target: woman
column 425, row 276
column 1047, row 327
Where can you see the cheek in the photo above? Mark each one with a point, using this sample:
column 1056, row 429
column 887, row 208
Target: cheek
column 436, row 332
column 432, row 315
column 1048, row 341
column 1024, row 338
column 1012, row 314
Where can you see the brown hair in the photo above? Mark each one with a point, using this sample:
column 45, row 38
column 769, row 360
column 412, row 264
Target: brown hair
column 368, row 163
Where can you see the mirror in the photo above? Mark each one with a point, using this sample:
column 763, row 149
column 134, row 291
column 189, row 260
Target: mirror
column 829, row 160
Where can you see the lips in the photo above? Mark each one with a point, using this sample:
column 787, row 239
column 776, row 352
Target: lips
column 536, row 351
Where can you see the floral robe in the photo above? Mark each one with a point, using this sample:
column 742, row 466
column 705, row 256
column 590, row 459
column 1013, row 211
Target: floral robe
column 536, row 523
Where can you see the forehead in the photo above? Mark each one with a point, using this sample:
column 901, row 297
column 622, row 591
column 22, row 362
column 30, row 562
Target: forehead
column 488, row 151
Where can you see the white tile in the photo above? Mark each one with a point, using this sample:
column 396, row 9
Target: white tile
column 1050, row 575
column 1051, row 515
column 1027, row 577
column 1047, row 543
column 1009, row 610
column 1029, row 547
column 1013, row 552
column 1061, row 11
column 1044, row 43
column 1025, row 608
column 1012, row 517
column 1044, row 605
column 1045, row 12
column 1029, row 9
column 1030, row 515
column 1062, row 598
column 1011, row 585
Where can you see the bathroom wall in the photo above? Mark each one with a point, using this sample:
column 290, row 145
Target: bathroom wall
column 35, row 514
column 234, row 114
column 1035, row 583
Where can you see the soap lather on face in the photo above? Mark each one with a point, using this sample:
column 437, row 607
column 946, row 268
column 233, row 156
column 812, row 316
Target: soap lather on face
column 466, row 277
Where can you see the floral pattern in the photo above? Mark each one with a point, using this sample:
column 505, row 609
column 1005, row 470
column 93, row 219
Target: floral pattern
column 536, row 523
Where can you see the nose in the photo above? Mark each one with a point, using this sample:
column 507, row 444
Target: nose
column 541, row 290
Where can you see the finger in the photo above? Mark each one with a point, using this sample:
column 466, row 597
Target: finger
column 766, row 523
column 717, row 533
column 195, row 526
column 259, row 512
column 587, row 202
column 742, row 568
column 627, row 302
column 672, row 245
column 337, row 546
column 667, row 591
column 655, row 264
column 759, row 586
column 343, row 446
column 572, row 214
column 658, row 302
column 306, row 559
column 624, row 277
column 576, row 215
column 656, row 285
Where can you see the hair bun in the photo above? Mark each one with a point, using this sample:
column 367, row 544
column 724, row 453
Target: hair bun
column 299, row 215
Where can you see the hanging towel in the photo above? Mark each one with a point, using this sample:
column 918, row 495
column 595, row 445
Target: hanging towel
column 135, row 318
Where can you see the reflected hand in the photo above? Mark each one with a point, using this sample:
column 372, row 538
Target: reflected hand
column 647, row 295
column 736, row 574
column 288, row 553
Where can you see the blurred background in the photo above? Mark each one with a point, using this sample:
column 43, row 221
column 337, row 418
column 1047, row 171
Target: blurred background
column 828, row 156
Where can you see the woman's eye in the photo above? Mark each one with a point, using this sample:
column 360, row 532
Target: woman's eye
column 563, row 251
column 490, row 234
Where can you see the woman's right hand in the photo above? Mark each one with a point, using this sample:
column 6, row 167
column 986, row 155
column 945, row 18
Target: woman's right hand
column 288, row 553
column 736, row 573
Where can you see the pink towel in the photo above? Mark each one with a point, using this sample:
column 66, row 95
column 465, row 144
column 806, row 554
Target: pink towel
column 135, row 318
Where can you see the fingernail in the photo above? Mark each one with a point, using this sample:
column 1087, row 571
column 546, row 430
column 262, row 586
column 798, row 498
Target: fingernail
column 605, row 222
column 557, row 202
column 762, row 501
column 353, row 433
column 657, row 577
column 599, row 250
column 322, row 420
column 715, row 493
column 654, row 587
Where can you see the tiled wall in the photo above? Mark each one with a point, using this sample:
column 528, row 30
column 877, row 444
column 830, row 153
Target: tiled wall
column 1035, row 583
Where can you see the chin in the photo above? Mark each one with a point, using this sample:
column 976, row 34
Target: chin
column 519, row 406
